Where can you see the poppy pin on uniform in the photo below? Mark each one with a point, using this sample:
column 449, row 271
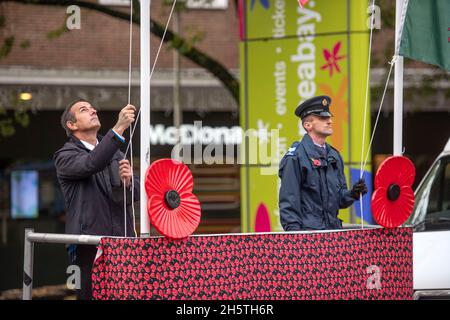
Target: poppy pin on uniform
column 316, row 162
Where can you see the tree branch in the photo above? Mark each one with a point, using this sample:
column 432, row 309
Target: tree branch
column 183, row 47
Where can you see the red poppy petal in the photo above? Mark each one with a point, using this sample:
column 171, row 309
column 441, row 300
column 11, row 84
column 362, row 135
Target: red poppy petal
column 185, row 214
column 396, row 169
column 182, row 178
column 153, row 180
column 378, row 205
column 190, row 209
column 152, row 184
column 407, row 173
column 148, row 190
column 177, row 223
column 156, row 206
column 166, row 174
column 406, row 201
column 172, row 173
column 391, row 214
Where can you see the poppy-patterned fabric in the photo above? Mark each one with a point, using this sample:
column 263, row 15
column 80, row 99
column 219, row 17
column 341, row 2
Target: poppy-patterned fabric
column 354, row 264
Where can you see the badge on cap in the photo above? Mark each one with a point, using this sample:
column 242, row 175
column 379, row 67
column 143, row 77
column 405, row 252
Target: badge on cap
column 325, row 102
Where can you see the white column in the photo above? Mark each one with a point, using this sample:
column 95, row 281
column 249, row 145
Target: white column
column 398, row 85
column 145, row 111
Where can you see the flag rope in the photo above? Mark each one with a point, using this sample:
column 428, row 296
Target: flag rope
column 392, row 62
column 130, row 142
column 132, row 128
column 153, row 68
column 365, row 109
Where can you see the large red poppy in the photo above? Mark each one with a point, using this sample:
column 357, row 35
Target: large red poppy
column 393, row 199
column 172, row 208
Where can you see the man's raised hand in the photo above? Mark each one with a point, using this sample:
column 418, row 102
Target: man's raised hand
column 126, row 118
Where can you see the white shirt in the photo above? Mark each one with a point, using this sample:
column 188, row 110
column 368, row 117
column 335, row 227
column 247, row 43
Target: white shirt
column 88, row 145
column 320, row 145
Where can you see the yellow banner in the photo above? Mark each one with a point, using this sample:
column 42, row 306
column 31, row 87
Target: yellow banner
column 290, row 54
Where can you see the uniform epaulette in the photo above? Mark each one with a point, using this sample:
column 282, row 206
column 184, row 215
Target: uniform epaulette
column 293, row 148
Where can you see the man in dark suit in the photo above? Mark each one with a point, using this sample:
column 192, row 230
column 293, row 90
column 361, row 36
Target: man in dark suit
column 92, row 171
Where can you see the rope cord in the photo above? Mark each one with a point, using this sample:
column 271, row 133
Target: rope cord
column 132, row 128
column 365, row 111
column 392, row 62
column 130, row 143
column 153, row 68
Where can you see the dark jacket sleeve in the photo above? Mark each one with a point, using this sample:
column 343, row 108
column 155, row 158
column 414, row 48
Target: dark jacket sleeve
column 345, row 199
column 71, row 164
column 290, row 194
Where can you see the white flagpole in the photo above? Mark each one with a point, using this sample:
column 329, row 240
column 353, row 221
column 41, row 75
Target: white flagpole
column 145, row 111
column 398, row 82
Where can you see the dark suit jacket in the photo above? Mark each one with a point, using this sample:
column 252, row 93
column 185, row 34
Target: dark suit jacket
column 92, row 188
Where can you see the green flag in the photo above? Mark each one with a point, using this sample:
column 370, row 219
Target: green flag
column 426, row 32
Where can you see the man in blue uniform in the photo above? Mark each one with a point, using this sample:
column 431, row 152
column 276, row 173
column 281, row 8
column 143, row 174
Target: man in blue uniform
column 313, row 186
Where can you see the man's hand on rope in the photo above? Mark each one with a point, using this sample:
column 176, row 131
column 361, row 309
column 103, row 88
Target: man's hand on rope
column 126, row 118
column 125, row 172
column 358, row 189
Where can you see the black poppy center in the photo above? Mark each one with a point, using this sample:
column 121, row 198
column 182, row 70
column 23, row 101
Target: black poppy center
column 393, row 192
column 172, row 199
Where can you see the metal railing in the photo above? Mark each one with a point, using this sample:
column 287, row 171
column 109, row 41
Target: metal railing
column 31, row 237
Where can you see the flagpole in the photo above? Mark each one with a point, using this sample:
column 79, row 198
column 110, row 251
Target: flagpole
column 398, row 83
column 145, row 111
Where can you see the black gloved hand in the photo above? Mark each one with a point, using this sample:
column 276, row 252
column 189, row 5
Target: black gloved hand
column 358, row 189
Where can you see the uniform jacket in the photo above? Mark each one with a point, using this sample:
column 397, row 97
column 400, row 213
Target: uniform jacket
column 92, row 188
column 313, row 187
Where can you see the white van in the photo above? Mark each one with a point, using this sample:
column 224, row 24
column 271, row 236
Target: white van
column 431, row 224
